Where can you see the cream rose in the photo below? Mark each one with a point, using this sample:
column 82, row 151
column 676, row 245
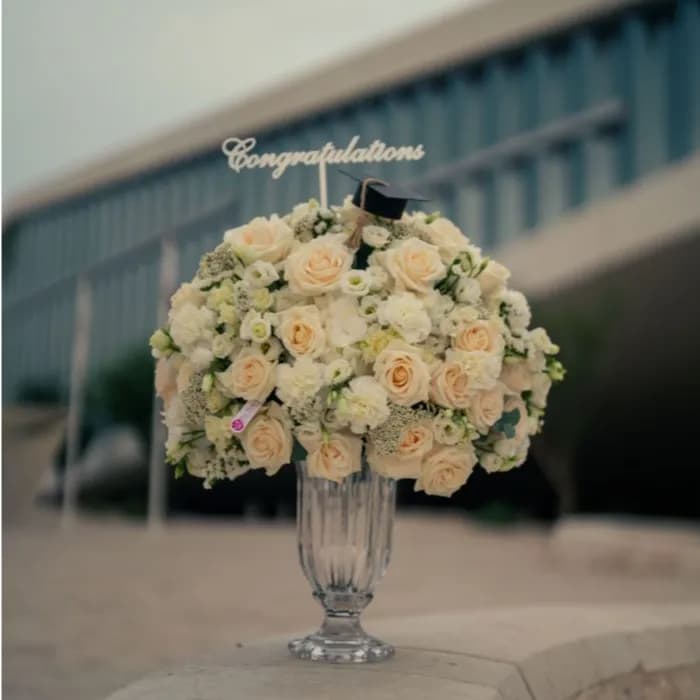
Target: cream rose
column 336, row 457
column 317, row 267
column 301, row 331
column 449, row 385
column 493, row 278
column 267, row 441
column 415, row 442
column 485, row 408
column 516, row 376
column 447, row 237
column 481, row 336
column 403, row 373
column 261, row 239
column 251, row 377
column 415, row 265
column 445, row 470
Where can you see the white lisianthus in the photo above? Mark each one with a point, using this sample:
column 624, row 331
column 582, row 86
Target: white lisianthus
column 363, row 405
column 260, row 274
column 337, row 371
column 368, row 307
column 375, row 236
column 356, row 283
column 298, row 383
column 378, row 276
column 405, row 313
column 446, row 430
column 467, row 290
column 344, row 324
column 160, row 343
column 257, row 327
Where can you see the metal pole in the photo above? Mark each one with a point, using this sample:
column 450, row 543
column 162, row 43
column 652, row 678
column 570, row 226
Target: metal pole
column 157, row 469
column 323, row 184
column 79, row 364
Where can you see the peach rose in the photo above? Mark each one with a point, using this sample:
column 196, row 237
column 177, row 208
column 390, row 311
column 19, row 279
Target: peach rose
column 336, row 457
column 301, row 331
column 445, row 470
column 317, row 267
column 415, row 442
column 403, row 373
column 267, row 440
column 485, row 408
column 483, row 336
column 415, row 265
column 449, row 385
column 261, row 239
column 516, row 376
column 251, row 377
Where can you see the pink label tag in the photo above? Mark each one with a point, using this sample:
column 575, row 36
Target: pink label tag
column 245, row 415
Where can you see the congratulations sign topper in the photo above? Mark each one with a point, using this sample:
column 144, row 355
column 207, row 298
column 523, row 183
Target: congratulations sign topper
column 240, row 155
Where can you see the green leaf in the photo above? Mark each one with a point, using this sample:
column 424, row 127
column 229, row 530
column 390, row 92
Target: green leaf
column 298, row 452
column 507, row 422
column 180, row 469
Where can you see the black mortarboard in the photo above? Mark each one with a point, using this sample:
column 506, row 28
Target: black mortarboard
column 381, row 198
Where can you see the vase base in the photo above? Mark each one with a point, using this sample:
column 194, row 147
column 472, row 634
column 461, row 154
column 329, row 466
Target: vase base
column 358, row 650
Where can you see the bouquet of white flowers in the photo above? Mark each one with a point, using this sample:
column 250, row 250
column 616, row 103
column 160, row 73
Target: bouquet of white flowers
column 336, row 336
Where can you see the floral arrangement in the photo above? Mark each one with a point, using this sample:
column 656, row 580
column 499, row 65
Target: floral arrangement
column 336, row 336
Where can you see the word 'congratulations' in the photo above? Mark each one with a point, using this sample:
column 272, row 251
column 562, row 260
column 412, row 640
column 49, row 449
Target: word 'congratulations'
column 238, row 152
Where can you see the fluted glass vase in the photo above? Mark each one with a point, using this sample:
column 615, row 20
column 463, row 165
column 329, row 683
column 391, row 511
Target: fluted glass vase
column 344, row 534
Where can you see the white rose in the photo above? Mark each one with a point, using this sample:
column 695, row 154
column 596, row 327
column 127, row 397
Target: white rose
column 317, row 267
column 356, row 283
column 298, row 383
column 485, row 408
column 261, row 239
column 267, row 440
column 344, row 324
column 222, row 345
column 301, row 331
column 446, row 469
column 260, row 274
column 405, row 313
column 446, row 236
column 363, row 405
column 493, row 278
column 375, row 236
column 467, row 290
column 403, row 373
column 414, row 265
column 336, row 457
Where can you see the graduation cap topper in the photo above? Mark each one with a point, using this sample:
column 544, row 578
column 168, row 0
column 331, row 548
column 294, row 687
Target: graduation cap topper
column 381, row 198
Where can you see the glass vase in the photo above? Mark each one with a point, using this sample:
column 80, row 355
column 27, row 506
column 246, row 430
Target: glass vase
column 344, row 536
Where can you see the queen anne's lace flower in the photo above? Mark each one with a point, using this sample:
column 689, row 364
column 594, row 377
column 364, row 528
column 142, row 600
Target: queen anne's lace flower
column 410, row 353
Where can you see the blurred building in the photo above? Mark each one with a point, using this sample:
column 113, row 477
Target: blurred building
column 540, row 118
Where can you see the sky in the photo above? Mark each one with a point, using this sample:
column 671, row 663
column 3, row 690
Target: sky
column 82, row 78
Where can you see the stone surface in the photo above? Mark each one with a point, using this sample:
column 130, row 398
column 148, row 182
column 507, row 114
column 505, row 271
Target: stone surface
column 535, row 653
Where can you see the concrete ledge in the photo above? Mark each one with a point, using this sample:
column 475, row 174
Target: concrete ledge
column 534, row 653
